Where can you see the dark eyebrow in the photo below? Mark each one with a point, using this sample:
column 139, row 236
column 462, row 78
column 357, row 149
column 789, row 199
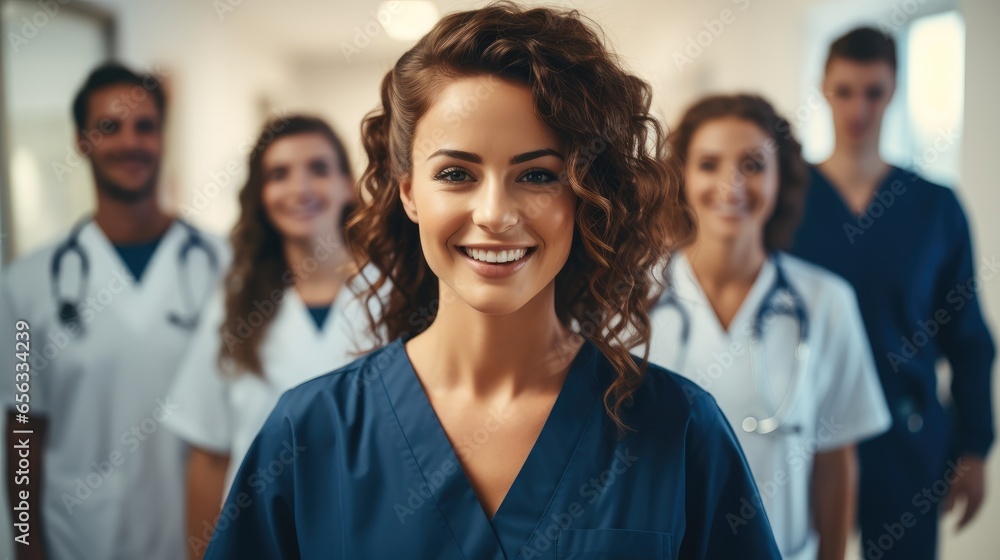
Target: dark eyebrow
column 528, row 156
column 458, row 154
column 475, row 158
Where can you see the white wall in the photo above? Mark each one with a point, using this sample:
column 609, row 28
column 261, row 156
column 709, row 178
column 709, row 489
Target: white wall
column 981, row 198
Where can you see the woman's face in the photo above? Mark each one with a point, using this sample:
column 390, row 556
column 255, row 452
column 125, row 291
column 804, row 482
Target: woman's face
column 731, row 178
column 304, row 189
column 496, row 224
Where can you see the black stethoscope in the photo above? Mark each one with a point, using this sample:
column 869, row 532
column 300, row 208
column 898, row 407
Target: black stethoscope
column 792, row 305
column 70, row 315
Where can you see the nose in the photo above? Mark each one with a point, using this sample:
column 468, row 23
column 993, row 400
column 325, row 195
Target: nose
column 298, row 182
column 857, row 109
column 731, row 184
column 495, row 209
column 129, row 136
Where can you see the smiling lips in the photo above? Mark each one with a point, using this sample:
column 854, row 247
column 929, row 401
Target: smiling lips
column 730, row 210
column 498, row 256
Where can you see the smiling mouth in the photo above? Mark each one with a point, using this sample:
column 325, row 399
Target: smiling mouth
column 305, row 210
column 504, row 256
column 730, row 209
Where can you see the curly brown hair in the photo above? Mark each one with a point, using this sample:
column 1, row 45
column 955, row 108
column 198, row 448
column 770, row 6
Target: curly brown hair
column 793, row 172
column 259, row 269
column 628, row 208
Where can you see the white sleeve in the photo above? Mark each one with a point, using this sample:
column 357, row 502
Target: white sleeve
column 352, row 316
column 200, row 390
column 37, row 362
column 853, row 406
column 7, row 358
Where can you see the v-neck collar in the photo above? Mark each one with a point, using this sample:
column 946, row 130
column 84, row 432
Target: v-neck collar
column 301, row 310
column 751, row 302
column 93, row 233
column 524, row 506
column 883, row 183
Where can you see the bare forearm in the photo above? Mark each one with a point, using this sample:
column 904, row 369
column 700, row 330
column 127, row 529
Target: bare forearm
column 24, row 476
column 206, row 476
column 834, row 491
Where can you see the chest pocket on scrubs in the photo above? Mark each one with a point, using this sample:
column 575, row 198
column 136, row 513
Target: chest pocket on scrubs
column 613, row 544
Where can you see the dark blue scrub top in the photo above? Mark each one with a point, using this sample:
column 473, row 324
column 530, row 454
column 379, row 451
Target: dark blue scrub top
column 354, row 464
column 137, row 255
column 909, row 257
column 319, row 314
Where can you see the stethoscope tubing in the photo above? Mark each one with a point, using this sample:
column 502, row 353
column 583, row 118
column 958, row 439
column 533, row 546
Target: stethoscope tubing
column 67, row 307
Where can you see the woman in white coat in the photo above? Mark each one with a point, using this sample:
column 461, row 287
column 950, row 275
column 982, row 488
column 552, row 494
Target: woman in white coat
column 778, row 342
column 286, row 313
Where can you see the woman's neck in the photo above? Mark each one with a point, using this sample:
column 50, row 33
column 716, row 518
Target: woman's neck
column 726, row 270
column 493, row 355
column 320, row 268
column 720, row 263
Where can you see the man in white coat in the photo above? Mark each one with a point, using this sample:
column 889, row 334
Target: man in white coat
column 105, row 313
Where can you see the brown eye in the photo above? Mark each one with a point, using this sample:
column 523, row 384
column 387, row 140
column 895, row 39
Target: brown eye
column 874, row 94
column 319, row 168
column 277, row 174
column 145, row 126
column 751, row 166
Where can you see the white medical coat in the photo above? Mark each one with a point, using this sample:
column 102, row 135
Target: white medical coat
column 222, row 413
column 840, row 403
column 113, row 476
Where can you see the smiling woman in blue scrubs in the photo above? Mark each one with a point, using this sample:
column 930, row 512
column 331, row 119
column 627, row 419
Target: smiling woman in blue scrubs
column 518, row 207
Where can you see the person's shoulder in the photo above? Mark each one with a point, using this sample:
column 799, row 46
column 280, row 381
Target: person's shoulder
column 819, row 286
column 30, row 269
column 669, row 398
column 218, row 243
column 940, row 202
column 912, row 177
column 926, row 190
column 338, row 391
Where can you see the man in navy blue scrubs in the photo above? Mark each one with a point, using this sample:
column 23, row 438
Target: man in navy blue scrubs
column 904, row 244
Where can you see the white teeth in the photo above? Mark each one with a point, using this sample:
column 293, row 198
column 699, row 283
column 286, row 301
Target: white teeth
column 497, row 257
column 730, row 208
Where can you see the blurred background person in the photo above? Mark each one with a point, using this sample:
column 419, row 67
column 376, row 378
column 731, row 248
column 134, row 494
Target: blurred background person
column 904, row 243
column 778, row 342
column 286, row 312
column 111, row 308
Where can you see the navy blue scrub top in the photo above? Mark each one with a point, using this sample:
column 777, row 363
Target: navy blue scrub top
column 319, row 314
column 354, row 464
column 137, row 255
column 909, row 257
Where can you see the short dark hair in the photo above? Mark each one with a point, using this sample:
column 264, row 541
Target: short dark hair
column 111, row 74
column 864, row 44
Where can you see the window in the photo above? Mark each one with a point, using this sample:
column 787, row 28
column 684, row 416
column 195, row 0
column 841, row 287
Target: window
column 48, row 50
